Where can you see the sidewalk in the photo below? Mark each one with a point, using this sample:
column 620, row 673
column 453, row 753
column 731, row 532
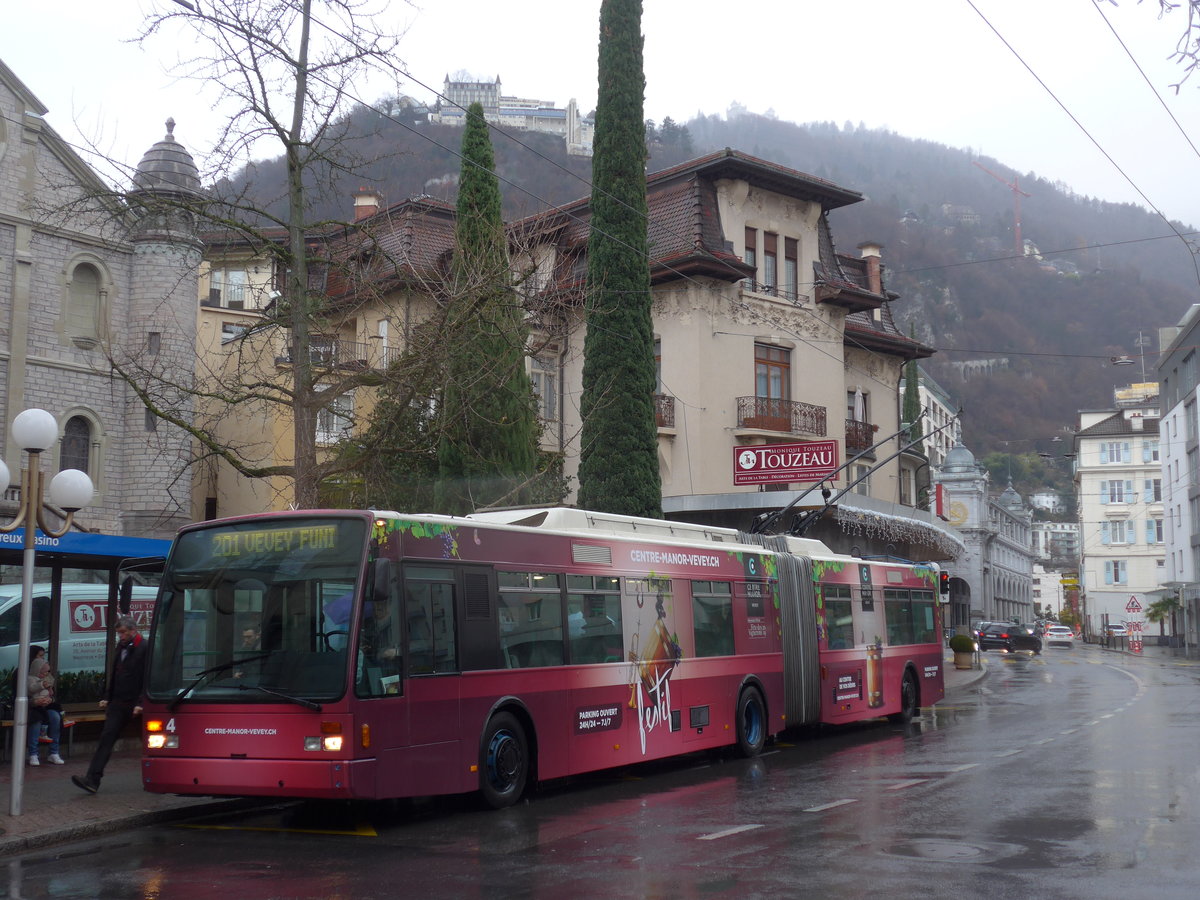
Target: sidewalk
column 960, row 679
column 53, row 810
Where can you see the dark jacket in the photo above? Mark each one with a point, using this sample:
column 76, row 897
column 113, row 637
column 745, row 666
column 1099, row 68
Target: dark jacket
column 127, row 676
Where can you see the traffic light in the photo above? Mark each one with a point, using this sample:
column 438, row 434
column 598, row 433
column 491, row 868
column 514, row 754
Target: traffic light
column 944, row 582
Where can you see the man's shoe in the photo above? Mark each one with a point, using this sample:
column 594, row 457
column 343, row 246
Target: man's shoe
column 34, row 761
column 81, row 781
column 55, row 759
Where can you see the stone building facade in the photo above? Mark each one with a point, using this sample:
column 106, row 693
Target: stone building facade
column 91, row 283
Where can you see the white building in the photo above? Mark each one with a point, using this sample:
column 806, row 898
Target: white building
column 1180, row 451
column 1056, row 542
column 1118, row 480
column 940, row 410
column 514, row 112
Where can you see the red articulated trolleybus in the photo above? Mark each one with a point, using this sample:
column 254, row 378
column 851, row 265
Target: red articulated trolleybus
column 367, row 654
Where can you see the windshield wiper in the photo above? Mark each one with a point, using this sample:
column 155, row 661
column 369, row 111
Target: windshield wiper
column 212, row 670
column 291, row 698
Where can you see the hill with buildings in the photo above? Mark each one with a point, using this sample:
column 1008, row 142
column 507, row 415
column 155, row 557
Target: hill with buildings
column 1025, row 335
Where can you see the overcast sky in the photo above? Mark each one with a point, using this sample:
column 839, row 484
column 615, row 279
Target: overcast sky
column 930, row 69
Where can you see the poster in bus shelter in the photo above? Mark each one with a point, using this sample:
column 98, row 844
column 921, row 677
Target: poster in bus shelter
column 768, row 463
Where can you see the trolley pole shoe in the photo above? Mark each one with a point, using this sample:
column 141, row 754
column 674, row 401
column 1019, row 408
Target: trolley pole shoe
column 81, row 781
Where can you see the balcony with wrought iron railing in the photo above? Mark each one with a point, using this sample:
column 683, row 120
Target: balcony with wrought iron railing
column 334, row 354
column 784, row 416
column 664, row 410
column 859, row 436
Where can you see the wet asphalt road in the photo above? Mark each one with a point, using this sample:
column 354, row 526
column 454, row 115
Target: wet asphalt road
column 1071, row 774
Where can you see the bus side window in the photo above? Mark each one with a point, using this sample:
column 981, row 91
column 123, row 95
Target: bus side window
column 712, row 615
column 839, row 620
column 429, row 619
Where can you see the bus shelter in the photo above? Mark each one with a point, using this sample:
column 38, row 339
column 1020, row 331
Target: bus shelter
column 82, row 582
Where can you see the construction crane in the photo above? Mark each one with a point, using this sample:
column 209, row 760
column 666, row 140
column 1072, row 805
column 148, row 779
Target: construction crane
column 1017, row 195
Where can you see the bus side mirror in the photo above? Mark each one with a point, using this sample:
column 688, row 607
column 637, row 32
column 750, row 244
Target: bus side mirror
column 381, row 578
column 125, row 595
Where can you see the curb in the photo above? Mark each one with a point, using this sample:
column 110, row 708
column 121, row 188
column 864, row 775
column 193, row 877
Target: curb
column 16, row 844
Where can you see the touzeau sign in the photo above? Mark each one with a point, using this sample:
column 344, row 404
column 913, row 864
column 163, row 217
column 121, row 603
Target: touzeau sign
column 807, row 461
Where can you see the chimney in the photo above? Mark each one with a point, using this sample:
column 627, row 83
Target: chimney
column 871, row 253
column 366, row 203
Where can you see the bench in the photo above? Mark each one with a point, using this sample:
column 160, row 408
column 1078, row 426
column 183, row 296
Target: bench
column 73, row 714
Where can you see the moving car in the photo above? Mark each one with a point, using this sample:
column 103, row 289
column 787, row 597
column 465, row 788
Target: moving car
column 1059, row 634
column 1008, row 636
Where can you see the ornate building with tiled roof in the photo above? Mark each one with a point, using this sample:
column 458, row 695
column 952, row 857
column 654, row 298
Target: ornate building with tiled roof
column 764, row 333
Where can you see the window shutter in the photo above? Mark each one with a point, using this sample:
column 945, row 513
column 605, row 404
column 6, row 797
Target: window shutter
column 1103, row 454
column 1104, row 493
column 1145, row 451
column 1150, row 531
column 1104, row 532
column 1129, row 494
column 1147, row 491
column 1108, row 571
column 1126, row 454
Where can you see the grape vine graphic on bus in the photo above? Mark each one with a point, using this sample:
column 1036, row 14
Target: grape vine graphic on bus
column 653, row 663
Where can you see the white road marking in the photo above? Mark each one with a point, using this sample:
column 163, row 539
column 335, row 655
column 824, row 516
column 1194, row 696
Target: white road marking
column 727, row 832
column 906, row 784
column 826, row 806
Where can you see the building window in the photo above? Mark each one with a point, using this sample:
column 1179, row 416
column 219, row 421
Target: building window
column 1115, row 452
column 1153, row 491
column 227, row 288
column 1116, row 571
column 1116, row 532
column 770, row 262
column 543, row 377
column 151, row 422
column 1149, row 451
column 1154, row 531
column 153, row 342
column 76, row 449
column 751, row 256
column 232, row 330
column 864, row 472
column 791, row 268
column 83, row 302
column 772, row 372
column 335, row 419
column 1116, row 491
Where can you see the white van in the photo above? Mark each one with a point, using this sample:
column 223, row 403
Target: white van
column 83, row 623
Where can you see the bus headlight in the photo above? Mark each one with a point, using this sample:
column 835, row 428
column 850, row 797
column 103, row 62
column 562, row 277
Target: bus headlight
column 323, row 742
column 162, row 741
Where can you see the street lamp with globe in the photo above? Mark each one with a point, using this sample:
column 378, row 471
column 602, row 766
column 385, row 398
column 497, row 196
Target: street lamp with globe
column 35, row 431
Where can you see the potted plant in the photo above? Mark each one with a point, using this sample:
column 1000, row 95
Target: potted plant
column 964, row 651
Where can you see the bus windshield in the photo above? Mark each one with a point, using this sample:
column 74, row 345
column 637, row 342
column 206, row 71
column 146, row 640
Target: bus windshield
column 257, row 612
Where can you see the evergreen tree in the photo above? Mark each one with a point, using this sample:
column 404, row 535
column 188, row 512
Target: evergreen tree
column 487, row 451
column 618, row 462
column 912, row 403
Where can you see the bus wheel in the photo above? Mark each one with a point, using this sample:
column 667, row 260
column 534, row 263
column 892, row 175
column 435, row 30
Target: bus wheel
column 504, row 768
column 751, row 723
column 909, row 699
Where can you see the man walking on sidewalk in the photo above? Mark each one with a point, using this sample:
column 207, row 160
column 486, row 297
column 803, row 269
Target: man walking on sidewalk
column 121, row 699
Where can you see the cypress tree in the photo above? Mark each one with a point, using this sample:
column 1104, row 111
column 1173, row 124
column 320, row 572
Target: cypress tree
column 618, row 462
column 487, row 450
column 912, row 401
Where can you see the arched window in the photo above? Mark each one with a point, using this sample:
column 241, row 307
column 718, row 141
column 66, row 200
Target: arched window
column 83, row 303
column 76, row 444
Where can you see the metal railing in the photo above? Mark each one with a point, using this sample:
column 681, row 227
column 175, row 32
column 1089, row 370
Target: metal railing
column 664, row 410
column 859, row 436
column 787, row 416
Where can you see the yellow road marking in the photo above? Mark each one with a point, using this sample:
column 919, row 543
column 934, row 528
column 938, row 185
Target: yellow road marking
column 359, row 831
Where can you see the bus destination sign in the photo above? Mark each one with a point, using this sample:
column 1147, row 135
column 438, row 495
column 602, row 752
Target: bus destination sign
column 274, row 540
column 808, row 461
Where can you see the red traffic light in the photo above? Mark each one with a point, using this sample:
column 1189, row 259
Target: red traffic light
column 944, row 582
